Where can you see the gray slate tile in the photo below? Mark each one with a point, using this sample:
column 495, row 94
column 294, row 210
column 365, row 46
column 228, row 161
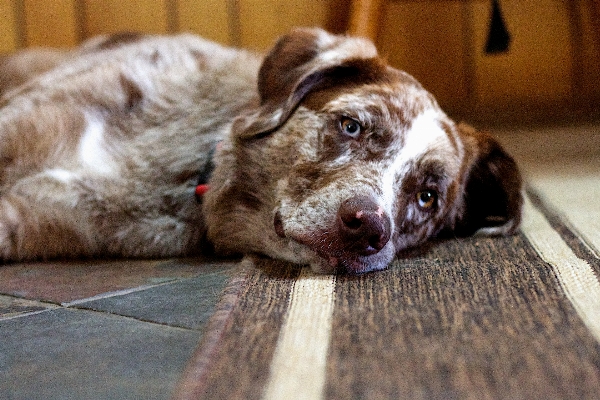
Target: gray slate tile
column 186, row 303
column 11, row 307
column 80, row 354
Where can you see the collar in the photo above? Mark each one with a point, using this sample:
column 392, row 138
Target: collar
column 205, row 173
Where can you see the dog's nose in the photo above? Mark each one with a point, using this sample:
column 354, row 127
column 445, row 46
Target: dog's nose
column 363, row 225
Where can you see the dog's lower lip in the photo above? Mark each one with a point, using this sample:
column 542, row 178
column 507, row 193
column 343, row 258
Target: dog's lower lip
column 338, row 262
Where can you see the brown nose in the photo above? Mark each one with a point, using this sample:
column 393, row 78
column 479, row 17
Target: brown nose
column 363, row 226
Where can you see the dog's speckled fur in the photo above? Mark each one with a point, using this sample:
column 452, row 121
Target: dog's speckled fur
column 100, row 149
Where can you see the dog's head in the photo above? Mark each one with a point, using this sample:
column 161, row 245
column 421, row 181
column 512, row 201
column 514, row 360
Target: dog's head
column 347, row 162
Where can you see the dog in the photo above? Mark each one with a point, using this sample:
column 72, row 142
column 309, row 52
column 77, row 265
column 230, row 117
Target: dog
column 318, row 153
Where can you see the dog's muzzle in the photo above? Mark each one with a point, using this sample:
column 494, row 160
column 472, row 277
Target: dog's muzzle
column 360, row 229
column 363, row 226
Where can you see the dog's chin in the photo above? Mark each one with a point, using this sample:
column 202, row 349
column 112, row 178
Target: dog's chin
column 338, row 266
column 335, row 265
column 323, row 263
column 325, row 254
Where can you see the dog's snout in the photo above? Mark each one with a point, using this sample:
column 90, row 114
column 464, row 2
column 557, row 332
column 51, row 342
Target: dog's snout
column 363, row 225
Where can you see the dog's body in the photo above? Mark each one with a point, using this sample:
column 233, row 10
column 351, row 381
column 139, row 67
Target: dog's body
column 326, row 156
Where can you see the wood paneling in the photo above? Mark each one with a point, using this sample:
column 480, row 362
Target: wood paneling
column 9, row 37
column 554, row 55
column 538, row 67
column 262, row 21
column 364, row 18
column 102, row 16
column 207, row 18
column 587, row 79
column 426, row 40
column 442, row 44
column 51, row 23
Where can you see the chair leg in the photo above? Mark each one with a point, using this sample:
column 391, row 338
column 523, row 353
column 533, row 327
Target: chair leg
column 595, row 12
column 364, row 18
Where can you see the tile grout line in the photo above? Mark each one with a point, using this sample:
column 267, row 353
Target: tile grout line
column 117, row 293
column 299, row 365
column 131, row 318
column 54, row 307
column 45, row 305
column 123, row 292
column 28, row 314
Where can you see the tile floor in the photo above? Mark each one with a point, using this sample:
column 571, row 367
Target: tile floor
column 103, row 329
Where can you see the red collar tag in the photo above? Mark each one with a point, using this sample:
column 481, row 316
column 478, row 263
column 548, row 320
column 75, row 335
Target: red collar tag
column 204, row 174
column 201, row 190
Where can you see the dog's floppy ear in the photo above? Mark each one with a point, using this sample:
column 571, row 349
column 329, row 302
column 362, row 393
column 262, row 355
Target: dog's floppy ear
column 295, row 66
column 492, row 199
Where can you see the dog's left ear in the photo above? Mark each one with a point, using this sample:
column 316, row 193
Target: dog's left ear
column 492, row 199
column 296, row 65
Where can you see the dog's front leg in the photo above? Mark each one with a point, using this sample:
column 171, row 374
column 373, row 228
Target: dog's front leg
column 42, row 216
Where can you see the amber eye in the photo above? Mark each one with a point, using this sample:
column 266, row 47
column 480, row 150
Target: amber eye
column 427, row 199
column 350, row 127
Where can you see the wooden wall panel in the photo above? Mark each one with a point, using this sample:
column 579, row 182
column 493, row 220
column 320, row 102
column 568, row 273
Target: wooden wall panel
column 9, row 33
column 51, row 23
column 554, row 56
column 538, row 67
column 262, row 21
column 588, row 74
column 207, row 18
column 426, row 39
column 364, row 18
column 107, row 16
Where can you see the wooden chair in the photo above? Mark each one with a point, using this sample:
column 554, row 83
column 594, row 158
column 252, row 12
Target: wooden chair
column 364, row 18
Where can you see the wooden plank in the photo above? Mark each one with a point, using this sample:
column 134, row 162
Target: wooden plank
column 262, row 21
column 425, row 38
column 588, row 70
column 9, row 35
column 538, row 66
column 54, row 24
column 108, row 16
column 364, row 18
column 208, row 18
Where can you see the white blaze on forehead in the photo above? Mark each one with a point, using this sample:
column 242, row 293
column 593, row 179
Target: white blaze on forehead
column 424, row 135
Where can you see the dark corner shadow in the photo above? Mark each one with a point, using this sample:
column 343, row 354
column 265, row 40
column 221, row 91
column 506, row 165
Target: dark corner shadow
column 274, row 269
column 423, row 249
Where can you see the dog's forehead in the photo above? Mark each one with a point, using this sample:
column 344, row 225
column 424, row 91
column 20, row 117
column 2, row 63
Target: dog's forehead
column 395, row 104
column 431, row 135
column 430, row 150
column 405, row 112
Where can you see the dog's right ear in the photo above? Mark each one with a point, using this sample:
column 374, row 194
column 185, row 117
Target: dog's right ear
column 295, row 66
column 492, row 201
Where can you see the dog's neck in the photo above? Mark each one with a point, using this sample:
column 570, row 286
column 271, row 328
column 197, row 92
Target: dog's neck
column 205, row 173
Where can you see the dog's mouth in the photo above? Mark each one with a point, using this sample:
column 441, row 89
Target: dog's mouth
column 331, row 255
column 346, row 265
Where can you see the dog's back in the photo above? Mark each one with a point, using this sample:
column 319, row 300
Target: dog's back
column 100, row 147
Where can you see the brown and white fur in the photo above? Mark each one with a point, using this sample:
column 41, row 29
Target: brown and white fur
column 327, row 155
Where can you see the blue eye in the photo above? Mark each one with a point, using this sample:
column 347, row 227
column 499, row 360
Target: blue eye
column 427, row 199
column 350, row 127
